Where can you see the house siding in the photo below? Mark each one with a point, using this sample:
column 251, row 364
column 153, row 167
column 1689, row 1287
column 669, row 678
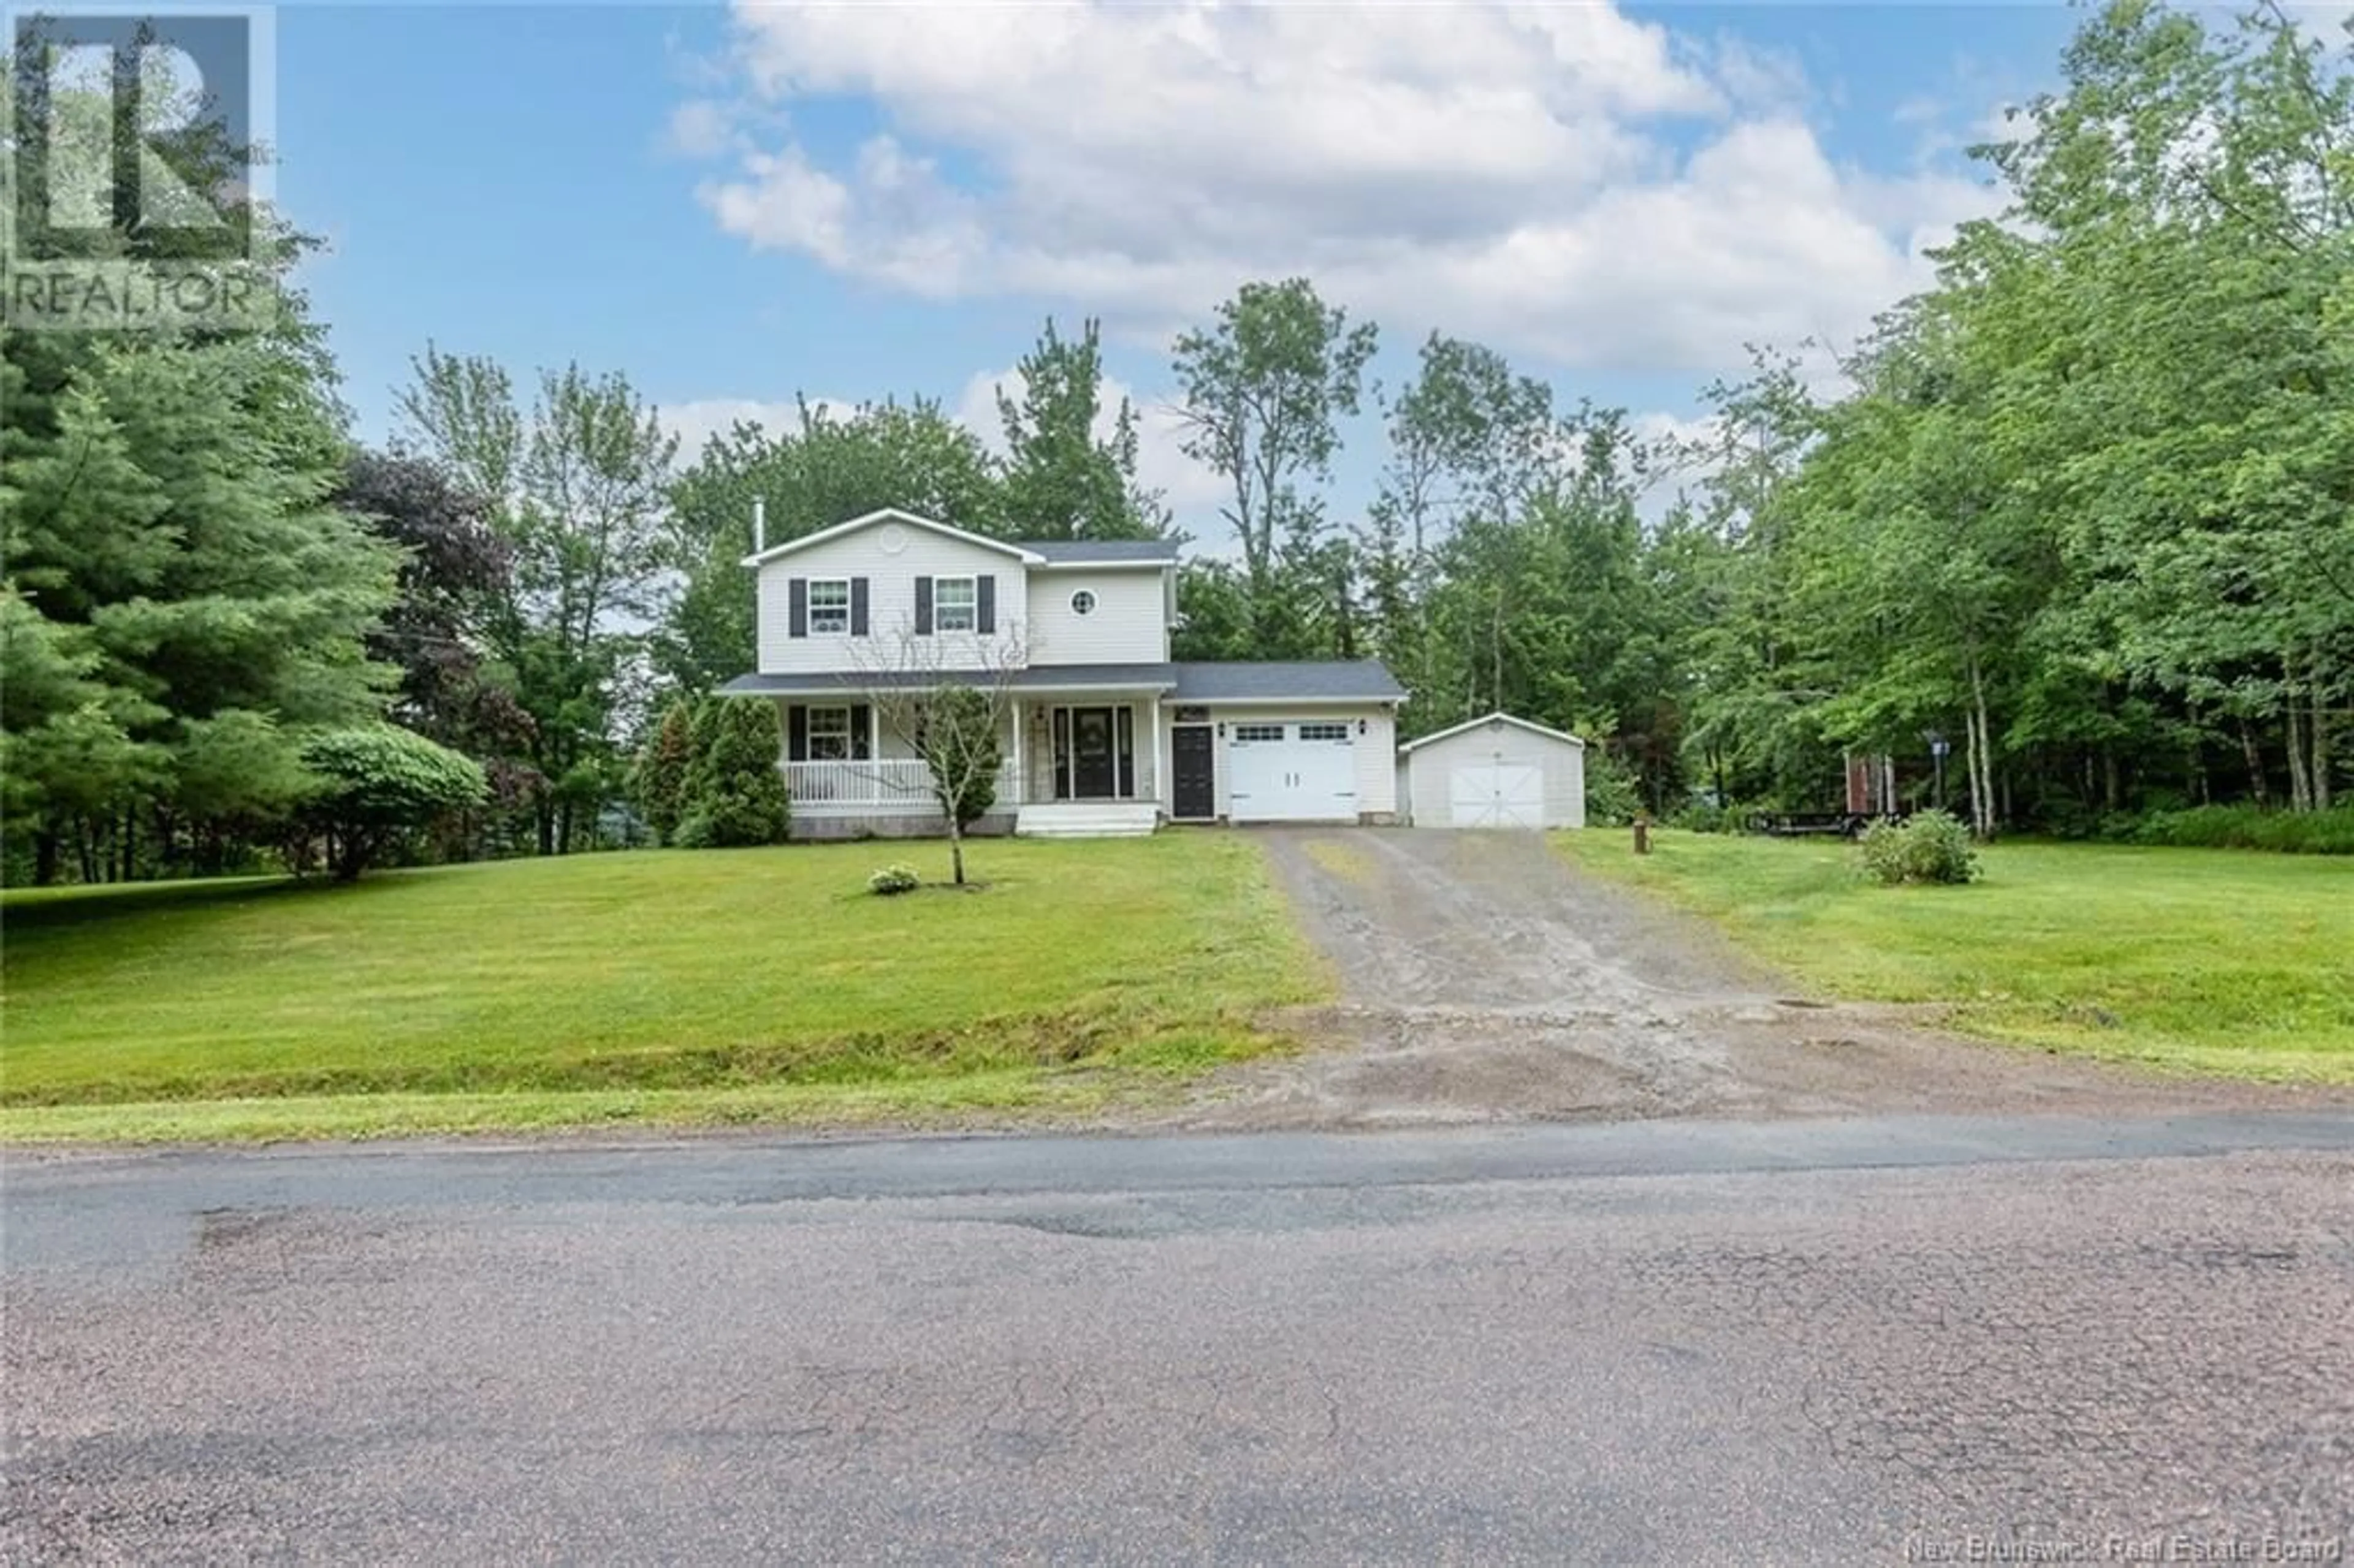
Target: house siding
column 1129, row 624
column 1427, row 773
column 891, row 603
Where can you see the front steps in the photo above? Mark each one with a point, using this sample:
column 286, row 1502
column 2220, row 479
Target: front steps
column 1087, row 819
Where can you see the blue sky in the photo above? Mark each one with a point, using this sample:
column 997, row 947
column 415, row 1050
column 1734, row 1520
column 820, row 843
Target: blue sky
column 853, row 202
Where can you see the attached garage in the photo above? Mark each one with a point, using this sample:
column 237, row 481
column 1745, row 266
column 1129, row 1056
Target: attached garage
column 1494, row 772
column 1292, row 770
column 1283, row 742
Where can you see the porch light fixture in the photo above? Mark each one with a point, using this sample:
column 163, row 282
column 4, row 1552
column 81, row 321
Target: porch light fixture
column 1360, row 726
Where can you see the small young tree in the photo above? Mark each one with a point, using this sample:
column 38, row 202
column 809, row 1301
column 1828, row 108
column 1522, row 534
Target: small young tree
column 952, row 701
column 956, row 733
column 378, row 780
column 734, row 795
column 660, row 779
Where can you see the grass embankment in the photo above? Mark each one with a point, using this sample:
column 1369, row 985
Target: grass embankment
column 666, row 987
column 2202, row 960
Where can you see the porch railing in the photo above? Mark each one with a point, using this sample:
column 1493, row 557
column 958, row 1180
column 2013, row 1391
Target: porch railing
column 894, row 781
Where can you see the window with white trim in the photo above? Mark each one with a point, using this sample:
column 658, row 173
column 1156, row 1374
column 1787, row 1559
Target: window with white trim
column 829, row 609
column 1324, row 732
column 1249, row 732
column 956, row 604
column 1083, row 602
column 829, row 734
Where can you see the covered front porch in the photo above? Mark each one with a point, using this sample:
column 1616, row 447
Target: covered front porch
column 1089, row 763
column 1082, row 761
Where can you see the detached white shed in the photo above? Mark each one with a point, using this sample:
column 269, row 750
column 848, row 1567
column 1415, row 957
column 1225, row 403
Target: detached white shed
column 1494, row 772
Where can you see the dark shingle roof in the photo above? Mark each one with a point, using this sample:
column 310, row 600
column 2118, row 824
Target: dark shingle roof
column 1039, row 678
column 1361, row 679
column 1087, row 552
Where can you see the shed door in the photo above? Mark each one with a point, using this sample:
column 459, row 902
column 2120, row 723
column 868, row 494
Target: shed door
column 1292, row 772
column 1496, row 795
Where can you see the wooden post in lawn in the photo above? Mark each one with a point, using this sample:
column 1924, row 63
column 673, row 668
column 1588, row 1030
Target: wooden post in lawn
column 1642, row 833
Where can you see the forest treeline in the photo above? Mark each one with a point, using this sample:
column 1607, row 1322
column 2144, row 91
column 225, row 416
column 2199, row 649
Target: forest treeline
column 2084, row 510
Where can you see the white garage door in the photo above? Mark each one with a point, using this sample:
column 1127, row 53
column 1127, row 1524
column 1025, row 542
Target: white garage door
column 1294, row 771
column 1496, row 795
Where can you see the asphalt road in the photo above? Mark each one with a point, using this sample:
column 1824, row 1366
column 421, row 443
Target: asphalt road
column 1685, row 1343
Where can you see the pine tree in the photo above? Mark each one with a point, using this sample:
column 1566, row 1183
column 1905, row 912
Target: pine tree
column 734, row 793
column 659, row 780
column 183, row 600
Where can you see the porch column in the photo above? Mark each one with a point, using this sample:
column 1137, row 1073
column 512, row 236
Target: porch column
column 1159, row 785
column 1021, row 772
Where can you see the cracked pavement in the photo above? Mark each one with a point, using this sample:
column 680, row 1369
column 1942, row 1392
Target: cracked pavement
column 1857, row 1340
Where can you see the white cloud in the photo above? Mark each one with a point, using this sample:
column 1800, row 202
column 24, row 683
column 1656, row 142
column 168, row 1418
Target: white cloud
column 701, row 128
column 1760, row 78
column 1684, row 455
column 1563, row 180
column 1161, row 463
column 1656, row 426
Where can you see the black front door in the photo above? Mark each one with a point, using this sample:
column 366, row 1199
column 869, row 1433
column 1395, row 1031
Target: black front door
column 1095, row 757
column 1192, row 773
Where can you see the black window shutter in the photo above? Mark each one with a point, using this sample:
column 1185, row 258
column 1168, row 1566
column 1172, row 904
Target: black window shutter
column 797, row 724
column 923, row 606
column 861, row 718
column 797, row 610
column 858, row 607
column 985, row 591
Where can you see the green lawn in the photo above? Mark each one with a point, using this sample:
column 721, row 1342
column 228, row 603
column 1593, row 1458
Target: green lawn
column 2221, row 962
column 747, row 985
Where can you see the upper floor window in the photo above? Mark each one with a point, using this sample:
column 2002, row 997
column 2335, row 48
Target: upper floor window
column 956, row 604
column 829, row 606
column 1083, row 603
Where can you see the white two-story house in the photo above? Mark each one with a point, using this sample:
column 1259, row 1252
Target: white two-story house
column 1104, row 733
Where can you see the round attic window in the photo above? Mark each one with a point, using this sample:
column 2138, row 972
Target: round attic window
column 894, row 538
column 1083, row 603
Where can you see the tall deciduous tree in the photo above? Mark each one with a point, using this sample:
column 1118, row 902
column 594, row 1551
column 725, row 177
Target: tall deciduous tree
column 1468, row 440
column 1064, row 480
column 576, row 485
column 2196, row 195
column 456, row 573
column 831, row 467
column 1264, row 390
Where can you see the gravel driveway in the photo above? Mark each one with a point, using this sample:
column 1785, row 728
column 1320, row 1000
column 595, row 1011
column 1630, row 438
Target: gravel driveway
column 1482, row 979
